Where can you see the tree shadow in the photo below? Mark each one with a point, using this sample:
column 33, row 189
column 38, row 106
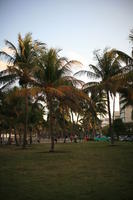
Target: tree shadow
column 54, row 152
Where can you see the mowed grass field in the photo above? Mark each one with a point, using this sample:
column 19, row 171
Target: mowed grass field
column 95, row 171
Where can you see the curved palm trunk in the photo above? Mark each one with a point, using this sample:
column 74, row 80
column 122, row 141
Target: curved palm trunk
column 26, row 120
column 110, row 123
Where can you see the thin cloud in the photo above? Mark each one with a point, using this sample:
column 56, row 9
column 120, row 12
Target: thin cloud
column 3, row 65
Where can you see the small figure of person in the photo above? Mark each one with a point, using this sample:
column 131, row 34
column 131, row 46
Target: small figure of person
column 87, row 138
column 55, row 140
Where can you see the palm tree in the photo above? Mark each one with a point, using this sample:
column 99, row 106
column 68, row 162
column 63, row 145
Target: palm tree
column 12, row 110
column 94, row 110
column 107, row 66
column 23, row 63
column 56, row 84
column 124, row 79
column 36, row 113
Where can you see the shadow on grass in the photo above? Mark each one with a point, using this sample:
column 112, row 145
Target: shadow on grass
column 54, row 152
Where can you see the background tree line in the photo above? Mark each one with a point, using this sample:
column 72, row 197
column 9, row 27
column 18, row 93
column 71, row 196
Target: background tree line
column 39, row 82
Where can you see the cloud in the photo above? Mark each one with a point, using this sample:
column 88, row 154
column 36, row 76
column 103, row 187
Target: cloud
column 7, row 50
column 73, row 55
column 3, row 65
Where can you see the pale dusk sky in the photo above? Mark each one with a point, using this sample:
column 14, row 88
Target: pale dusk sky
column 78, row 27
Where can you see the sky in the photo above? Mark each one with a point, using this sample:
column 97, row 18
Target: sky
column 78, row 27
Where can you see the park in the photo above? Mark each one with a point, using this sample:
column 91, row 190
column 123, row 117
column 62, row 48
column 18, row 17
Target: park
column 66, row 100
column 87, row 170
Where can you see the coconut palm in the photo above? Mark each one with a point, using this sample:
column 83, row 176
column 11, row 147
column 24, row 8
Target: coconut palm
column 124, row 79
column 22, row 65
column 94, row 110
column 107, row 66
column 12, row 110
column 36, row 113
column 56, row 83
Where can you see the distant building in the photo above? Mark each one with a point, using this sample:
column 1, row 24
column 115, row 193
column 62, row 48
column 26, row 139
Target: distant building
column 117, row 114
column 126, row 114
column 105, row 122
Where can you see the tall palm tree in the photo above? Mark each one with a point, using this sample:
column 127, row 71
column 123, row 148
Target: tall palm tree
column 124, row 79
column 107, row 66
column 56, row 84
column 23, row 63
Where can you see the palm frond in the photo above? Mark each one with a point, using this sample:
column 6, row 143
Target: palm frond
column 73, row 81
column 87, row 73
column 7, row 82
column 73, row 62
column 3, row 72
column 124, row 57
column 89, row 85
column 9, row 58
column 10, row 46
column 53, row 92
column 97, row 71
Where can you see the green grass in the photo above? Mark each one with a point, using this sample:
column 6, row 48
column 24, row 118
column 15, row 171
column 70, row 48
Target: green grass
column 94, row 171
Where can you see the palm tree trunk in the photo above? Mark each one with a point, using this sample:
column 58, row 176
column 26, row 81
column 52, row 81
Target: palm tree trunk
column 93, row 132
column 51, row 126
column 110, row 123
column 26, row 119
column 114, row 109
column 64, row 130
column 15, row 135
column 31, row 136
column 0, row 139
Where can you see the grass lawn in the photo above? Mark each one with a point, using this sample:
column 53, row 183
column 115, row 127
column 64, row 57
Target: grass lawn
column 95, row 171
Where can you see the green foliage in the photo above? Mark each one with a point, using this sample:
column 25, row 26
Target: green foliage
column 44, row 75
